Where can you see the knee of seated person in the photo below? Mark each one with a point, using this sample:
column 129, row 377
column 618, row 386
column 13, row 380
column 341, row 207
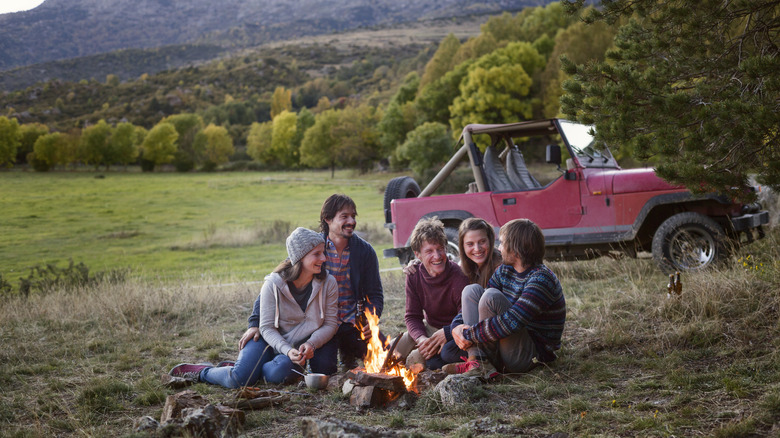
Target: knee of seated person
column 450, row 355
column 471, row 292
column 489, row 297
column 278, row 369
column 328, row 367
column 240, row 380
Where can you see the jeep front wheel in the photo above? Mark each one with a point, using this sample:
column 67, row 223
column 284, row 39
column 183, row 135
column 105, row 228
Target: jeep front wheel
column 452, row 243
column 688, row 242
column 399, row 188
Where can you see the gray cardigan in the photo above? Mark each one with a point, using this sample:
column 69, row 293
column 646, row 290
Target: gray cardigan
column 284, row 326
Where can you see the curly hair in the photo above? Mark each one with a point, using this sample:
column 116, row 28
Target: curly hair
column 428, row 230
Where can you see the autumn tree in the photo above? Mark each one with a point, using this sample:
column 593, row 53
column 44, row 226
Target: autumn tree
column 140, row 135
column 434, row 101
column 159, row 146
column 323, row 104
column 345, row 137
column 407, row 91
column 124, row 144
column 400, row 115
column 282, row 135
column 426, row 147
column 188, row 153
column 48, row 151
column 442, row 61
column 304, row 121
column 69, row 150
column 318, row 148
column 112, row 80
column 692, row 82
column 475, row 47
column 580, row 43
column 281, row 100
column 258, row 142
column 535, row 23
column 28, row 134
column 497, row 86
column 356, row 137
column 397, row 120
column 94, row 146
column 218, row 145
column 9, row 140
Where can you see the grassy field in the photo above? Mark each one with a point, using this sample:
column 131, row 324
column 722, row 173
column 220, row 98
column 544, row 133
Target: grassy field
column 229, row 226
column 86, row 361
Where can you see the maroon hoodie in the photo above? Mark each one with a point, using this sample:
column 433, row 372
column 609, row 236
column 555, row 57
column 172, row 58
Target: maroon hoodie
column 436, row 299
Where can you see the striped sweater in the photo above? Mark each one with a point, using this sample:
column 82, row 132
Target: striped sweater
column 539, row 306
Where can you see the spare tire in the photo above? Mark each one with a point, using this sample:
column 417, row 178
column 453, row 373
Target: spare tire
column 399, row 188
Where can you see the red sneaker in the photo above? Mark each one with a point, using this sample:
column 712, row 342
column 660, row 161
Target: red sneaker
column 460, row 367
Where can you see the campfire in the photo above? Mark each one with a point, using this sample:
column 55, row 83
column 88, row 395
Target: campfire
column 383, row 379
column 377, row 360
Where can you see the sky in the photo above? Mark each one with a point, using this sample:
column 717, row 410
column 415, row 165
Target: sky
column 17, row 5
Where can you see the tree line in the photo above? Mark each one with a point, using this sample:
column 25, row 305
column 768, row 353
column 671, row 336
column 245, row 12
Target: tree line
column 181, row 138
column 509, row 72
column 706, row 121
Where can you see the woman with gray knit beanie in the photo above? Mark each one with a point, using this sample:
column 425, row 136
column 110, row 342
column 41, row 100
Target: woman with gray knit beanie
column 294, row 317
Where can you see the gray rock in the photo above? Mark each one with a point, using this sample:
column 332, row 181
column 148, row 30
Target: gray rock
column 146, row 424
column 490, row 426
column 335, row 428
column 456, row 389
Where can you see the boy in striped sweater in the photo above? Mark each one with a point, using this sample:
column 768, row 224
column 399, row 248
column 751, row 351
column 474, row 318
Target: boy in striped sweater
column 517, row 322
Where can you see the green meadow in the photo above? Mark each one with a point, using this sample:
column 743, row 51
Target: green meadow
column 85, row 360
column 229, row 226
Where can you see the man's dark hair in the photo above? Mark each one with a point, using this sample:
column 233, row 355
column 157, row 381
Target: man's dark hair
column 524, row 239
column 334, row 204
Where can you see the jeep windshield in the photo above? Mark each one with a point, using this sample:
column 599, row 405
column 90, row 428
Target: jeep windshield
column 589, row 153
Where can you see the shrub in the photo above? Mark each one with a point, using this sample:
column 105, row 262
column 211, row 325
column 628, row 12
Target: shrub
column 43, row 278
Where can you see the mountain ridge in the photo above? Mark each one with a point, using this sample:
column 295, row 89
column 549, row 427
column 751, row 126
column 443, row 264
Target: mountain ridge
column 64, row 29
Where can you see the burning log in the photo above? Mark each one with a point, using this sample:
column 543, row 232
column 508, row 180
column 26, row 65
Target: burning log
column 384, row 381
column 370, row 397
column 373, row 390
column 390, row 360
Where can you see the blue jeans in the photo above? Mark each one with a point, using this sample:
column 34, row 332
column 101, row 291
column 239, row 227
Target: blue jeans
column 257, row 361
column 450, row 353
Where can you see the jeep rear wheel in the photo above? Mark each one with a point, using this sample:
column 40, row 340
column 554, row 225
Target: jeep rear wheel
column 689, row 242
column 399, row 188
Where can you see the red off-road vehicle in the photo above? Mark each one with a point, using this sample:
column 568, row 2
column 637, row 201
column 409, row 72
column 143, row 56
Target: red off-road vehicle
column 591, row 208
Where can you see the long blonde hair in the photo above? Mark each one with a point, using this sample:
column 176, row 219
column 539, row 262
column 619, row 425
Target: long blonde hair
column 477, row 274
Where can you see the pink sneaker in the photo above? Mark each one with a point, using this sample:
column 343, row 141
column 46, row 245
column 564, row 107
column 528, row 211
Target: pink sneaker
column 460, row 367
column 189, row 371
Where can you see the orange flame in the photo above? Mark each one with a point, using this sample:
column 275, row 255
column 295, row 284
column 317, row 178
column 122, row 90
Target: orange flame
column 377, row 353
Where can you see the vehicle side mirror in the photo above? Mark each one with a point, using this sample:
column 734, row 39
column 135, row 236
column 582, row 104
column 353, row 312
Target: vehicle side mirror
column 553, row 154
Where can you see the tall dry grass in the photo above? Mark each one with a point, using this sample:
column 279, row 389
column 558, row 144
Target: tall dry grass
column 625, row 302
column 114, row 313
column 225, row 237
column 86, row 361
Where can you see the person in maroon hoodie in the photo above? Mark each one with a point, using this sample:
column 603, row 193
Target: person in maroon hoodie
column 433, row 294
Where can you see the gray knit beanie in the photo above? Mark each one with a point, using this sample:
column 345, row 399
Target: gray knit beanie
column 301, row 241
